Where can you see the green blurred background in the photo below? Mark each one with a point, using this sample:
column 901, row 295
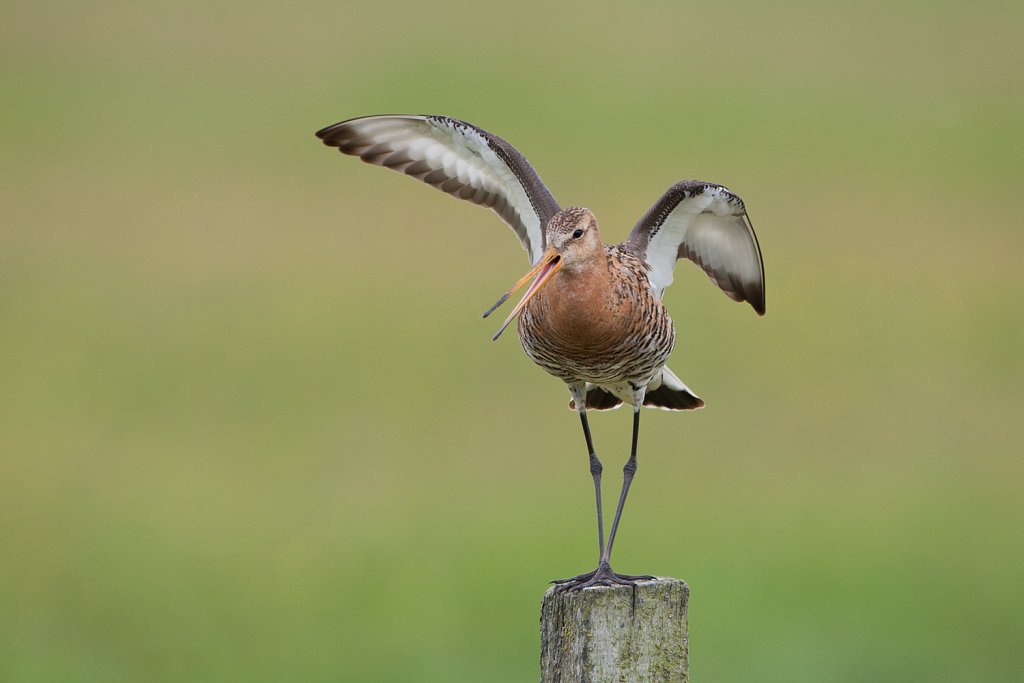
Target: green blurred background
column 253, row 428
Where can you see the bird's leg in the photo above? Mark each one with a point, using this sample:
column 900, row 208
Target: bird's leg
column 595, row 472
column 603, row 575
column 628, row 471
column 578, row 391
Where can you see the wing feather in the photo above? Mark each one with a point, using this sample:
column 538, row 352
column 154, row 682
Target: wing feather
column 457, row 158
column 707, row 224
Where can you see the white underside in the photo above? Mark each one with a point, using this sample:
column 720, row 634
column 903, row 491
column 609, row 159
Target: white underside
column 624, row 392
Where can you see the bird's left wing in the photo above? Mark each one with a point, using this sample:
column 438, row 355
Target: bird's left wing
column 707, row 224
column 458, row 158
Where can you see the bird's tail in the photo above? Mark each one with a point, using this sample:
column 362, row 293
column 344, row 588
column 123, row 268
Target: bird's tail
column 598, row 399
column 671, row 394
column 666, row 393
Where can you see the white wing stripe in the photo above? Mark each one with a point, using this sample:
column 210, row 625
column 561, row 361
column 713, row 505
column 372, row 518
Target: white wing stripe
column 457, row 158
column 708, row 225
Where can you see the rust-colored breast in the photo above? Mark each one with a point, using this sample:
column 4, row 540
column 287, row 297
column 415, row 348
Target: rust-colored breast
column 601, row 324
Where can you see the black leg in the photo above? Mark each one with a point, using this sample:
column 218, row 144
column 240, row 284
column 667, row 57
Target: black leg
column 627, row 478
column 603, row 575
column 595, row 472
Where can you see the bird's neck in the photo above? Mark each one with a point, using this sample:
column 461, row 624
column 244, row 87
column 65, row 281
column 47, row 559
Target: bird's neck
column 584, row 276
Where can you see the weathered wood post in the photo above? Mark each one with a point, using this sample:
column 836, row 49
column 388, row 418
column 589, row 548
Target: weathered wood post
column 616, row 635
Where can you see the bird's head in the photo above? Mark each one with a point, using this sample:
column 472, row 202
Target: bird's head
column 573, row 236
column 573, row 241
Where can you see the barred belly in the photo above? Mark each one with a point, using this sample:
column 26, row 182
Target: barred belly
column 632, row 356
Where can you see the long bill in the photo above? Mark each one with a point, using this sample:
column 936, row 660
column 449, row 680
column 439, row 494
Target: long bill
column 549, row 264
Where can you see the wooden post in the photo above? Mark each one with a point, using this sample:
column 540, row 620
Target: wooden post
column 616, row 635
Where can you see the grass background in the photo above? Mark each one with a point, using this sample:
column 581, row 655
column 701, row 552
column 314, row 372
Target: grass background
column 253, row 428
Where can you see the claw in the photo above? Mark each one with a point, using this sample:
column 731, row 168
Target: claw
column 602, row 576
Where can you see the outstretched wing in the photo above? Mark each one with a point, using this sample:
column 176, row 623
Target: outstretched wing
column 707, row 224
column 458, row 158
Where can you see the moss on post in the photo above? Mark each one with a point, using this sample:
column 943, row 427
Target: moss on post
column 616, row 635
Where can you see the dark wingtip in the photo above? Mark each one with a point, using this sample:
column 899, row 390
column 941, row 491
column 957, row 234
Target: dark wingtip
column 324, row 133
column 755, row 297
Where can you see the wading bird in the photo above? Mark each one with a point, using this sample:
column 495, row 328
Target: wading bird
column 592, row 315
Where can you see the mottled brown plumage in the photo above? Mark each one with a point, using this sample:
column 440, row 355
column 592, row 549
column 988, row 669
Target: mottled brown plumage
column 598, row 319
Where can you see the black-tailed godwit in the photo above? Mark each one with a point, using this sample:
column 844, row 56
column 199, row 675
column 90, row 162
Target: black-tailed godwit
column 592, row 315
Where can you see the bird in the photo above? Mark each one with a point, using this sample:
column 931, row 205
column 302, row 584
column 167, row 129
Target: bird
column 592, row 315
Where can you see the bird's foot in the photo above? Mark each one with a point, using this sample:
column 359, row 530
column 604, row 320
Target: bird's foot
column 602, row 576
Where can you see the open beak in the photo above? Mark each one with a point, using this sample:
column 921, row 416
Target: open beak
column 549, row 264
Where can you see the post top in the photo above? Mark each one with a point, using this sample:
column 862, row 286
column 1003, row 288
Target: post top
column 650, row 585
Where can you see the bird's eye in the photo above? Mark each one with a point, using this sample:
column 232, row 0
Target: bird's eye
column 577, row 233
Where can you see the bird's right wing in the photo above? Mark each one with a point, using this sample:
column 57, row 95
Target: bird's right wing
column 458, row 158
